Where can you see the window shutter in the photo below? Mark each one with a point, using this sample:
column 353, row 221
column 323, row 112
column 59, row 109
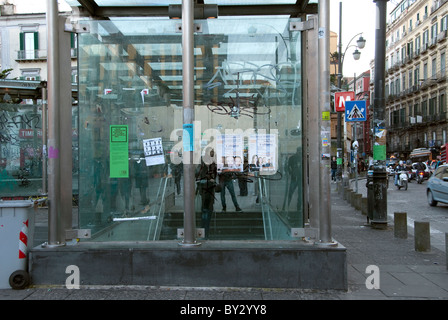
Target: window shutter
column 36, row 40
column 72, row 40
column 22, row 40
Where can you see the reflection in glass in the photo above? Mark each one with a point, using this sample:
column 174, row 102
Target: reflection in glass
column 20, row 150
column 247, row 85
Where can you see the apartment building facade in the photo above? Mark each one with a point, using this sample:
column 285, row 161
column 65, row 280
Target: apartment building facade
column 23, row 44
column 415, row 84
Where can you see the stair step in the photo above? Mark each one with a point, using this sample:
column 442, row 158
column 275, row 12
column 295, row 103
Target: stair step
column 223, row 226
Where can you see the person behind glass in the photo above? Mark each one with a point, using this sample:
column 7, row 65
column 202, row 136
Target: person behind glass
column 334, row 168
column 254, row 165
column 225, row 180
column 206, row 182
column 177, row 170
column 141, row 178
column 242, row 179
column 293, row 170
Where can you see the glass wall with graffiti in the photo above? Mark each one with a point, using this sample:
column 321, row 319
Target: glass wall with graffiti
column 20, row 150
column 22, row 154
column 246, row 137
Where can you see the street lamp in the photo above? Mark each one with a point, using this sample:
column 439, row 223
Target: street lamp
column 360, row 44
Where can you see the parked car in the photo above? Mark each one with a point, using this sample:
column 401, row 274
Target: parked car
column 437, row 187
column 426, row 171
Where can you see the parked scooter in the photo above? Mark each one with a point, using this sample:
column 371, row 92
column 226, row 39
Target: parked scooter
column 402, row 180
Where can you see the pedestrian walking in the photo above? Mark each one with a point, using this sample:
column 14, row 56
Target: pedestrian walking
column 334, row 169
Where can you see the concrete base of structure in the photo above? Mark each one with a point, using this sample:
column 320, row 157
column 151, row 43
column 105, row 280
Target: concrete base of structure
column 262, row 264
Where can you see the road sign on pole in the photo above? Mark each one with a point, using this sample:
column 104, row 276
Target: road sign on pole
column 355, row 110
column 340, row 98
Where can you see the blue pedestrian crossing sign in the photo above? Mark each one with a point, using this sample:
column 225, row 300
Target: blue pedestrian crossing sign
column 355, row 110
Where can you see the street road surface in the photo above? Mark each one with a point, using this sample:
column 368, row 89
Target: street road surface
column 413, row 202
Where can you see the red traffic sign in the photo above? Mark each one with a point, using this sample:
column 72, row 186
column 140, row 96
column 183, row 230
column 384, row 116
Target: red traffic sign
column 340, row 98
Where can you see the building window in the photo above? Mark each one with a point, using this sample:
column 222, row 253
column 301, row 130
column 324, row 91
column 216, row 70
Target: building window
column 417, row 45
column 402, row 115
column 425, row 37
column 442, row 104
column 425, row 71
column 443, row 23
column 434, row 68
column 424, row 107
column 416, row 75
column 30, row 74
column 432, row 105
column 410, row 78
column 434, row 31
column 442, row 64
column 29, row 44
column 410, row 48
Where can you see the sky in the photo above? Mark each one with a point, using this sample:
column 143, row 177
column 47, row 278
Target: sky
column 36, row 6
column 357, row 16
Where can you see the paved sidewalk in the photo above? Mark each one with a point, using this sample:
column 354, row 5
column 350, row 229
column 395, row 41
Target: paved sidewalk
column 404, row 273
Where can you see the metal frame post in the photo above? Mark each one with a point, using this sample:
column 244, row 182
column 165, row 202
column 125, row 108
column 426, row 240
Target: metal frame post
column 65, row 134
column 55, row 238
column 188, row 119
column 325, row 237
column 340, row 149
column 379, row 219
column 312, row 123
column 59, row 144
column 44, row 140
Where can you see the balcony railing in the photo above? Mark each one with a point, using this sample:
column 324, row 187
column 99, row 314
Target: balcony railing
column 31, row 55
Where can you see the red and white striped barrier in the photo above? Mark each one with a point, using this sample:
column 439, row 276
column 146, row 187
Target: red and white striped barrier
column 23, row 243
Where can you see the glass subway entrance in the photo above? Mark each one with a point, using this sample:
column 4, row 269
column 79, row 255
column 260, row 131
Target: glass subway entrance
column 248, row 110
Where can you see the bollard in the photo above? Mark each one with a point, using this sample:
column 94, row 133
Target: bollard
column 364, row 206
column 422, row 237
column 358, row 197
column 345, row 195
column 351, row 197
column 348, row 191
column 400, row 225
column 446, row 249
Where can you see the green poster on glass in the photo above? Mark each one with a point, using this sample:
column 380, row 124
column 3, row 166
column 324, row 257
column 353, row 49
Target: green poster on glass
column 118, row 151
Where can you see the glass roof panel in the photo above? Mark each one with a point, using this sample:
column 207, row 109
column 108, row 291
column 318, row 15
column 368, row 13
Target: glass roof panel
column 128, row 3
column 248, row 2
column 136, row 3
